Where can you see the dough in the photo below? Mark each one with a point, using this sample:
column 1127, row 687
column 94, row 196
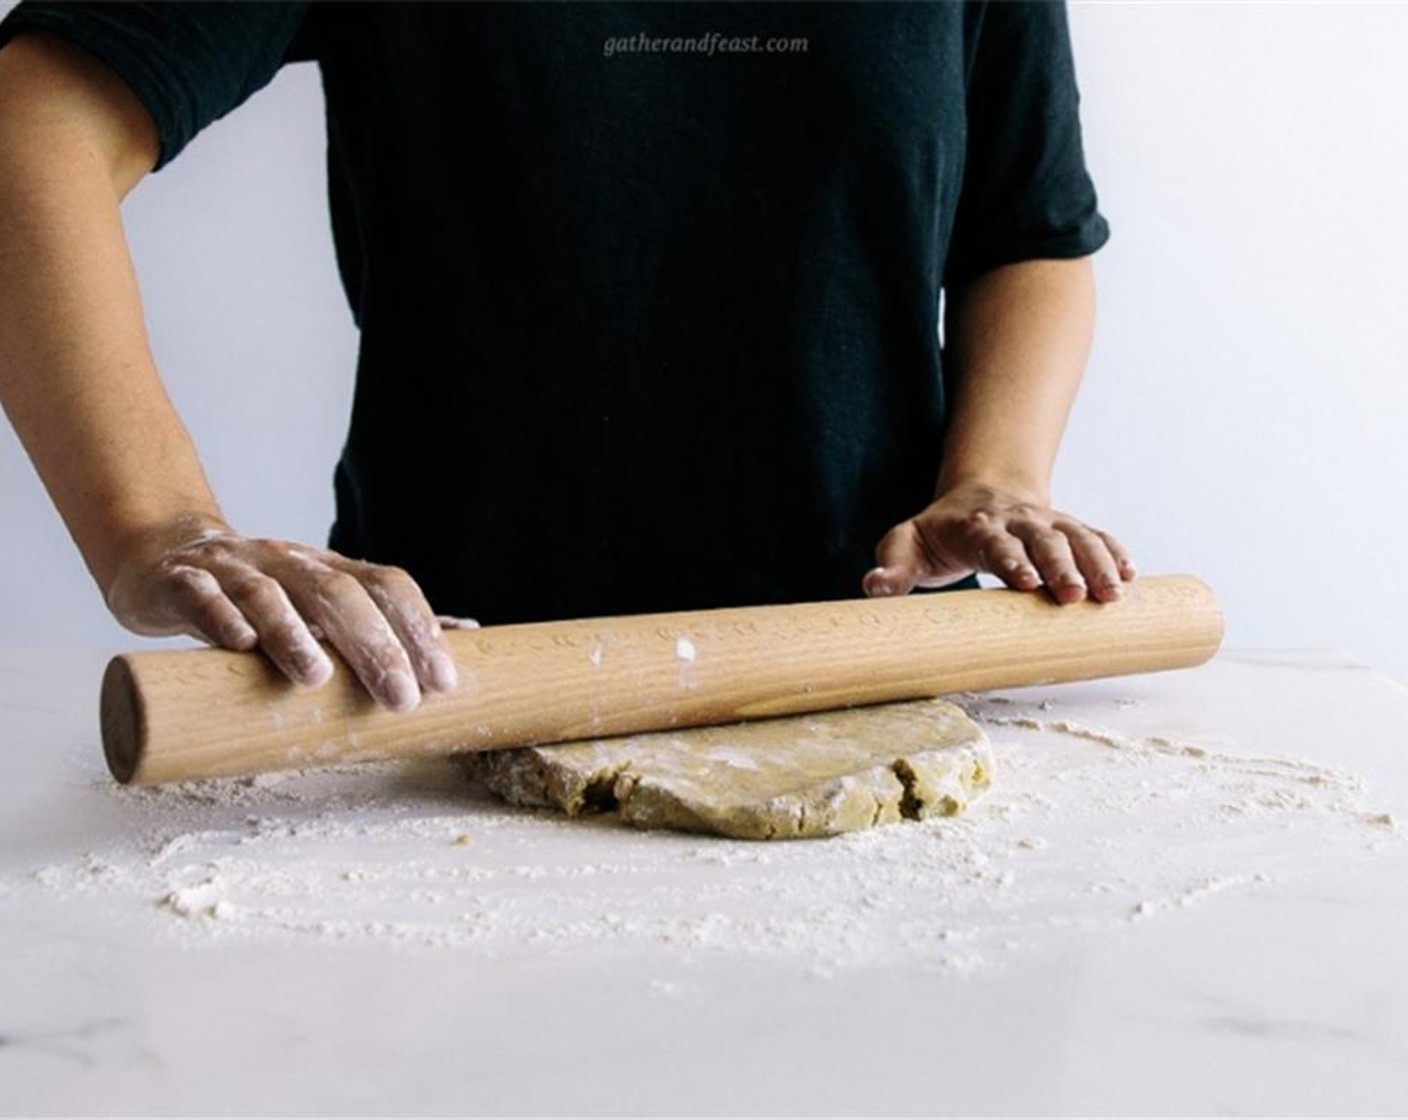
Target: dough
column 777, row 779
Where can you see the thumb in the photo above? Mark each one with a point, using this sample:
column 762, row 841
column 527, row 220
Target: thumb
column 900, row 563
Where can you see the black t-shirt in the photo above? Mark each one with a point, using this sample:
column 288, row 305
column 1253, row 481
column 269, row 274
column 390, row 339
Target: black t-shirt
column 645, row 324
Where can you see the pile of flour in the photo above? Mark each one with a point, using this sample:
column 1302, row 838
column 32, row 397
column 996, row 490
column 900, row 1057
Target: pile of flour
column 1084, row 831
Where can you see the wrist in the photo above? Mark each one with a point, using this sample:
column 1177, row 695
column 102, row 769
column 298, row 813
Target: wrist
column 1032, row 487
column 131, row 534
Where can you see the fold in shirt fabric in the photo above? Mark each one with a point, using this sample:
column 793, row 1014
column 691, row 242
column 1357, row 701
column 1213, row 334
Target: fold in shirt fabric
column 643, row 326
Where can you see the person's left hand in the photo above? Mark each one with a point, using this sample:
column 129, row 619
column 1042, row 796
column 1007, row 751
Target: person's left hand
column 1015, row 536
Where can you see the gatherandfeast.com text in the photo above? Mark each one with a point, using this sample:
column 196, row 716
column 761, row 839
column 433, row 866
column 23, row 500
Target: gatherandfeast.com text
column 710, row 44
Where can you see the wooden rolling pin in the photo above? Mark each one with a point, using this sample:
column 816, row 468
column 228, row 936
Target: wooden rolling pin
column 172, row 715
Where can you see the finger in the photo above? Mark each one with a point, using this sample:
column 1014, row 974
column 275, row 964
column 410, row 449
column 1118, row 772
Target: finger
column 194, row 595
column 344, row 610
column 1097, row 566
column 1123, row 561
column 450, row 622
column 1006, row 557
column 1051, row 552
column 283, row 634
column 900, row 563
column 401, row 600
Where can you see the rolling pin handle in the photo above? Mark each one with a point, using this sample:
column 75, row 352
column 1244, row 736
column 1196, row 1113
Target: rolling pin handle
column 122, row 714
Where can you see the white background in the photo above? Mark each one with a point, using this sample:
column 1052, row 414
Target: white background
column 1245, row 415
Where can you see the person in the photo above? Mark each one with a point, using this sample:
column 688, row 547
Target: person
column 661, row 306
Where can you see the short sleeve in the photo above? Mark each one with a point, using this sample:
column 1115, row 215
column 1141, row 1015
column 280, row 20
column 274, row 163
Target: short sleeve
column 1026, row 193
column 188, row 63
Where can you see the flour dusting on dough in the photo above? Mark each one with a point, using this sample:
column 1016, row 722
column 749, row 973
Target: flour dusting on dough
column 790, row 778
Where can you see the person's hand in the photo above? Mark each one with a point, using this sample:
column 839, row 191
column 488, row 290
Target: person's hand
column 1016, row 537
column 197, row 576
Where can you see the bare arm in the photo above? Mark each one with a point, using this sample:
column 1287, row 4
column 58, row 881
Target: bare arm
column 76, row 375
column 79, row 385
column 1018, row 338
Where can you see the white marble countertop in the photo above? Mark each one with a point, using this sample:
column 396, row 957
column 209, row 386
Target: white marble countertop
column 1185, row 893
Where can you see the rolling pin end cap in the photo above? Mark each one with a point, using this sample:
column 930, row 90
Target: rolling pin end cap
column 123, row 718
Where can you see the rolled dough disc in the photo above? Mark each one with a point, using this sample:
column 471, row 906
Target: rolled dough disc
column 777, row 779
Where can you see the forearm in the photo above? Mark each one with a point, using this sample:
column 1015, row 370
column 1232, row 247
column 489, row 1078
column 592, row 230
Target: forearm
column 79, row 385
column 76, row 375
column 1016, row 342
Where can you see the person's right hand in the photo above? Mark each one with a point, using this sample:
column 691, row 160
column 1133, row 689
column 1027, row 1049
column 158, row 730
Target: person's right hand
column 197, row 576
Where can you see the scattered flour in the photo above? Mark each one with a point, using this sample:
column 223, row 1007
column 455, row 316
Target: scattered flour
column 1195, row 894
column 1084, row 829
column 1296, row 769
